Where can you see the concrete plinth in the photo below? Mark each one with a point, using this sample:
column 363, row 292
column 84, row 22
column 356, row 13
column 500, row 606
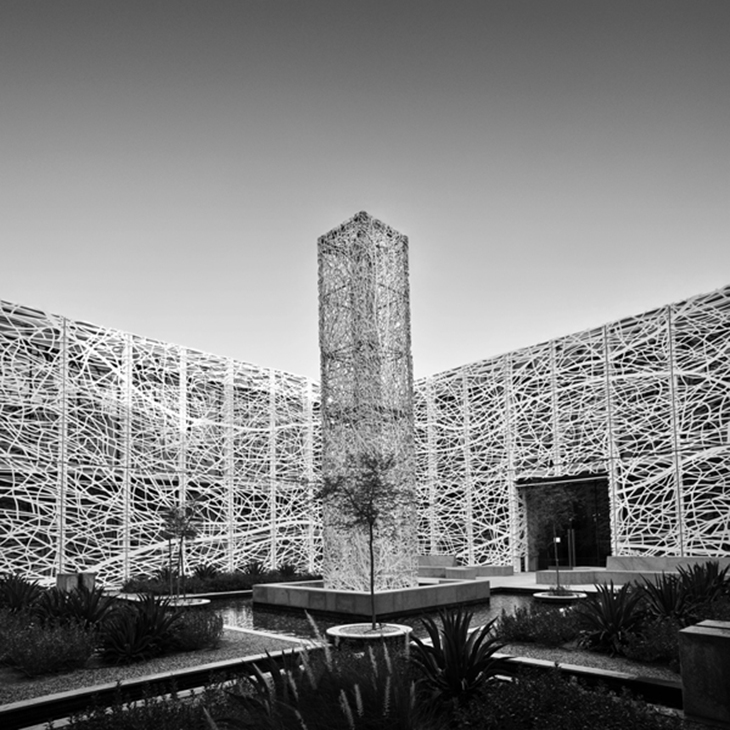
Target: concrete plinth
column 588, row 576
column 362, row 635
column 444, row 566
column 704, row 656
column 624, row 569
column 313, row 597
column 658, row 564
column 72, row 581
column 558, row 599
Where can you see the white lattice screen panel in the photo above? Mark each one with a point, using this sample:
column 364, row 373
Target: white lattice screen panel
column 580, row 401
column 645, row 400
column 100, row 431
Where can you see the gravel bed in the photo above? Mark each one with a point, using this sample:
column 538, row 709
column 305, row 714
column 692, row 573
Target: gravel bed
column 236, row 644
column 14, row 687
column 565, row 655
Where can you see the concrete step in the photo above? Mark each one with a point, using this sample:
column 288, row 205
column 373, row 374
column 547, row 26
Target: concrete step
column 464, row 572
column 592, row 576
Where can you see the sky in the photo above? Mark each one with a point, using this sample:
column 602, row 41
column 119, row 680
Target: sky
column 166, row 166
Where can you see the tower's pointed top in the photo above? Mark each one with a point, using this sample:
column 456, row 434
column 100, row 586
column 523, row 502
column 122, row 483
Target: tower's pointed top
column 363, row 221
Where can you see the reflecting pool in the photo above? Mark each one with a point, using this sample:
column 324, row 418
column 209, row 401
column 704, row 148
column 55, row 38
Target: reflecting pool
column 240, row 612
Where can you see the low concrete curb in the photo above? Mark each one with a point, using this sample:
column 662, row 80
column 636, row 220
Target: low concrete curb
column 42, row 710
column 657, row 691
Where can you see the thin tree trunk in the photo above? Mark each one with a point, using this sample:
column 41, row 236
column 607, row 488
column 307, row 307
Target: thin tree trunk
column 179, row 562
column 169, row 565
column 372, row 577
column 557, row 559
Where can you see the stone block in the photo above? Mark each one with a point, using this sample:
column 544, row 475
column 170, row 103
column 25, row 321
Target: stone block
column 428, row 571
column 704, row 655
column 436, row 561
column 571, row 577
column 484, row 571
column 657, row 563
column 72, row 581
column 460, row 573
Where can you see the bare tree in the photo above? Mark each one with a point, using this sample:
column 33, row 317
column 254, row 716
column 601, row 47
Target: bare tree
column 360, row 494
column 180, row 524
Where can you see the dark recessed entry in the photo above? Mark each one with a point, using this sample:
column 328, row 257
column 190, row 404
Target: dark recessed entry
column 575, row 509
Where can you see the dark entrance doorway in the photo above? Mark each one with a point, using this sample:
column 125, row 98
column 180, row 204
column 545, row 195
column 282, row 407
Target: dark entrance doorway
column 573, row 509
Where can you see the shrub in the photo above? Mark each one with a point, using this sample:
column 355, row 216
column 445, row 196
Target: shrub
column 145, row 584
column 11, row 622
column 140, row 631
column 18, row 593
column 218, row 583
column 231, row 582
column 34, row 649
column 343, row 689
column 152, row 713
column 718, row 610
column 457, row 662
column 165, row 575
column 287, row 570
column 197, row 628
column 253, row 568
column 205, row 571
column 607, row 617
column 89, row 608
column 656, row 640
column 195, row 584
column 548, row 701
column 539, row 624
column 673, row 602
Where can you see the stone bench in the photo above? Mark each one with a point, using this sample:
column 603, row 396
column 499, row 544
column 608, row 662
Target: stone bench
column 444, row 566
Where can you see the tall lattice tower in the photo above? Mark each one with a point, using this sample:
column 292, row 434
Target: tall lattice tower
column 367, row 396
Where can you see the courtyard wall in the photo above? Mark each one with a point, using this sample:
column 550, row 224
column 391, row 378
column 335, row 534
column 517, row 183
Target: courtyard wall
column 101, row 430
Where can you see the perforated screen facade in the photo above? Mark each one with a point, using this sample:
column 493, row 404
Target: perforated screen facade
column 101, row 430
column 645, row 400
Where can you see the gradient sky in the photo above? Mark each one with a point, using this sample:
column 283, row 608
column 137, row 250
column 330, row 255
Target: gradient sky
column 167, row 166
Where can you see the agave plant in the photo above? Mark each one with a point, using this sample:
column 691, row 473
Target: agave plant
column 17, row 593
column 287, row 570
column 254, row 568
column 457, row 662
column 88, row 607
column 609, row 616
column 141, row 631
column 166, row 575
column 272, row 695
column 666, row 597
column 205, row 571
column 704, row 582
column 326, row 689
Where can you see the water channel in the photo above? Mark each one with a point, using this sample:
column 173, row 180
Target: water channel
column 240, row 613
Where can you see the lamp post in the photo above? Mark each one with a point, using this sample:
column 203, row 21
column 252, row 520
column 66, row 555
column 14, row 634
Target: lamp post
column 556, row 542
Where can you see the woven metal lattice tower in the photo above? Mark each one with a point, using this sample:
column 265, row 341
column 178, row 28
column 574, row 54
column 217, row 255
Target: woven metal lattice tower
column 367, row 396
